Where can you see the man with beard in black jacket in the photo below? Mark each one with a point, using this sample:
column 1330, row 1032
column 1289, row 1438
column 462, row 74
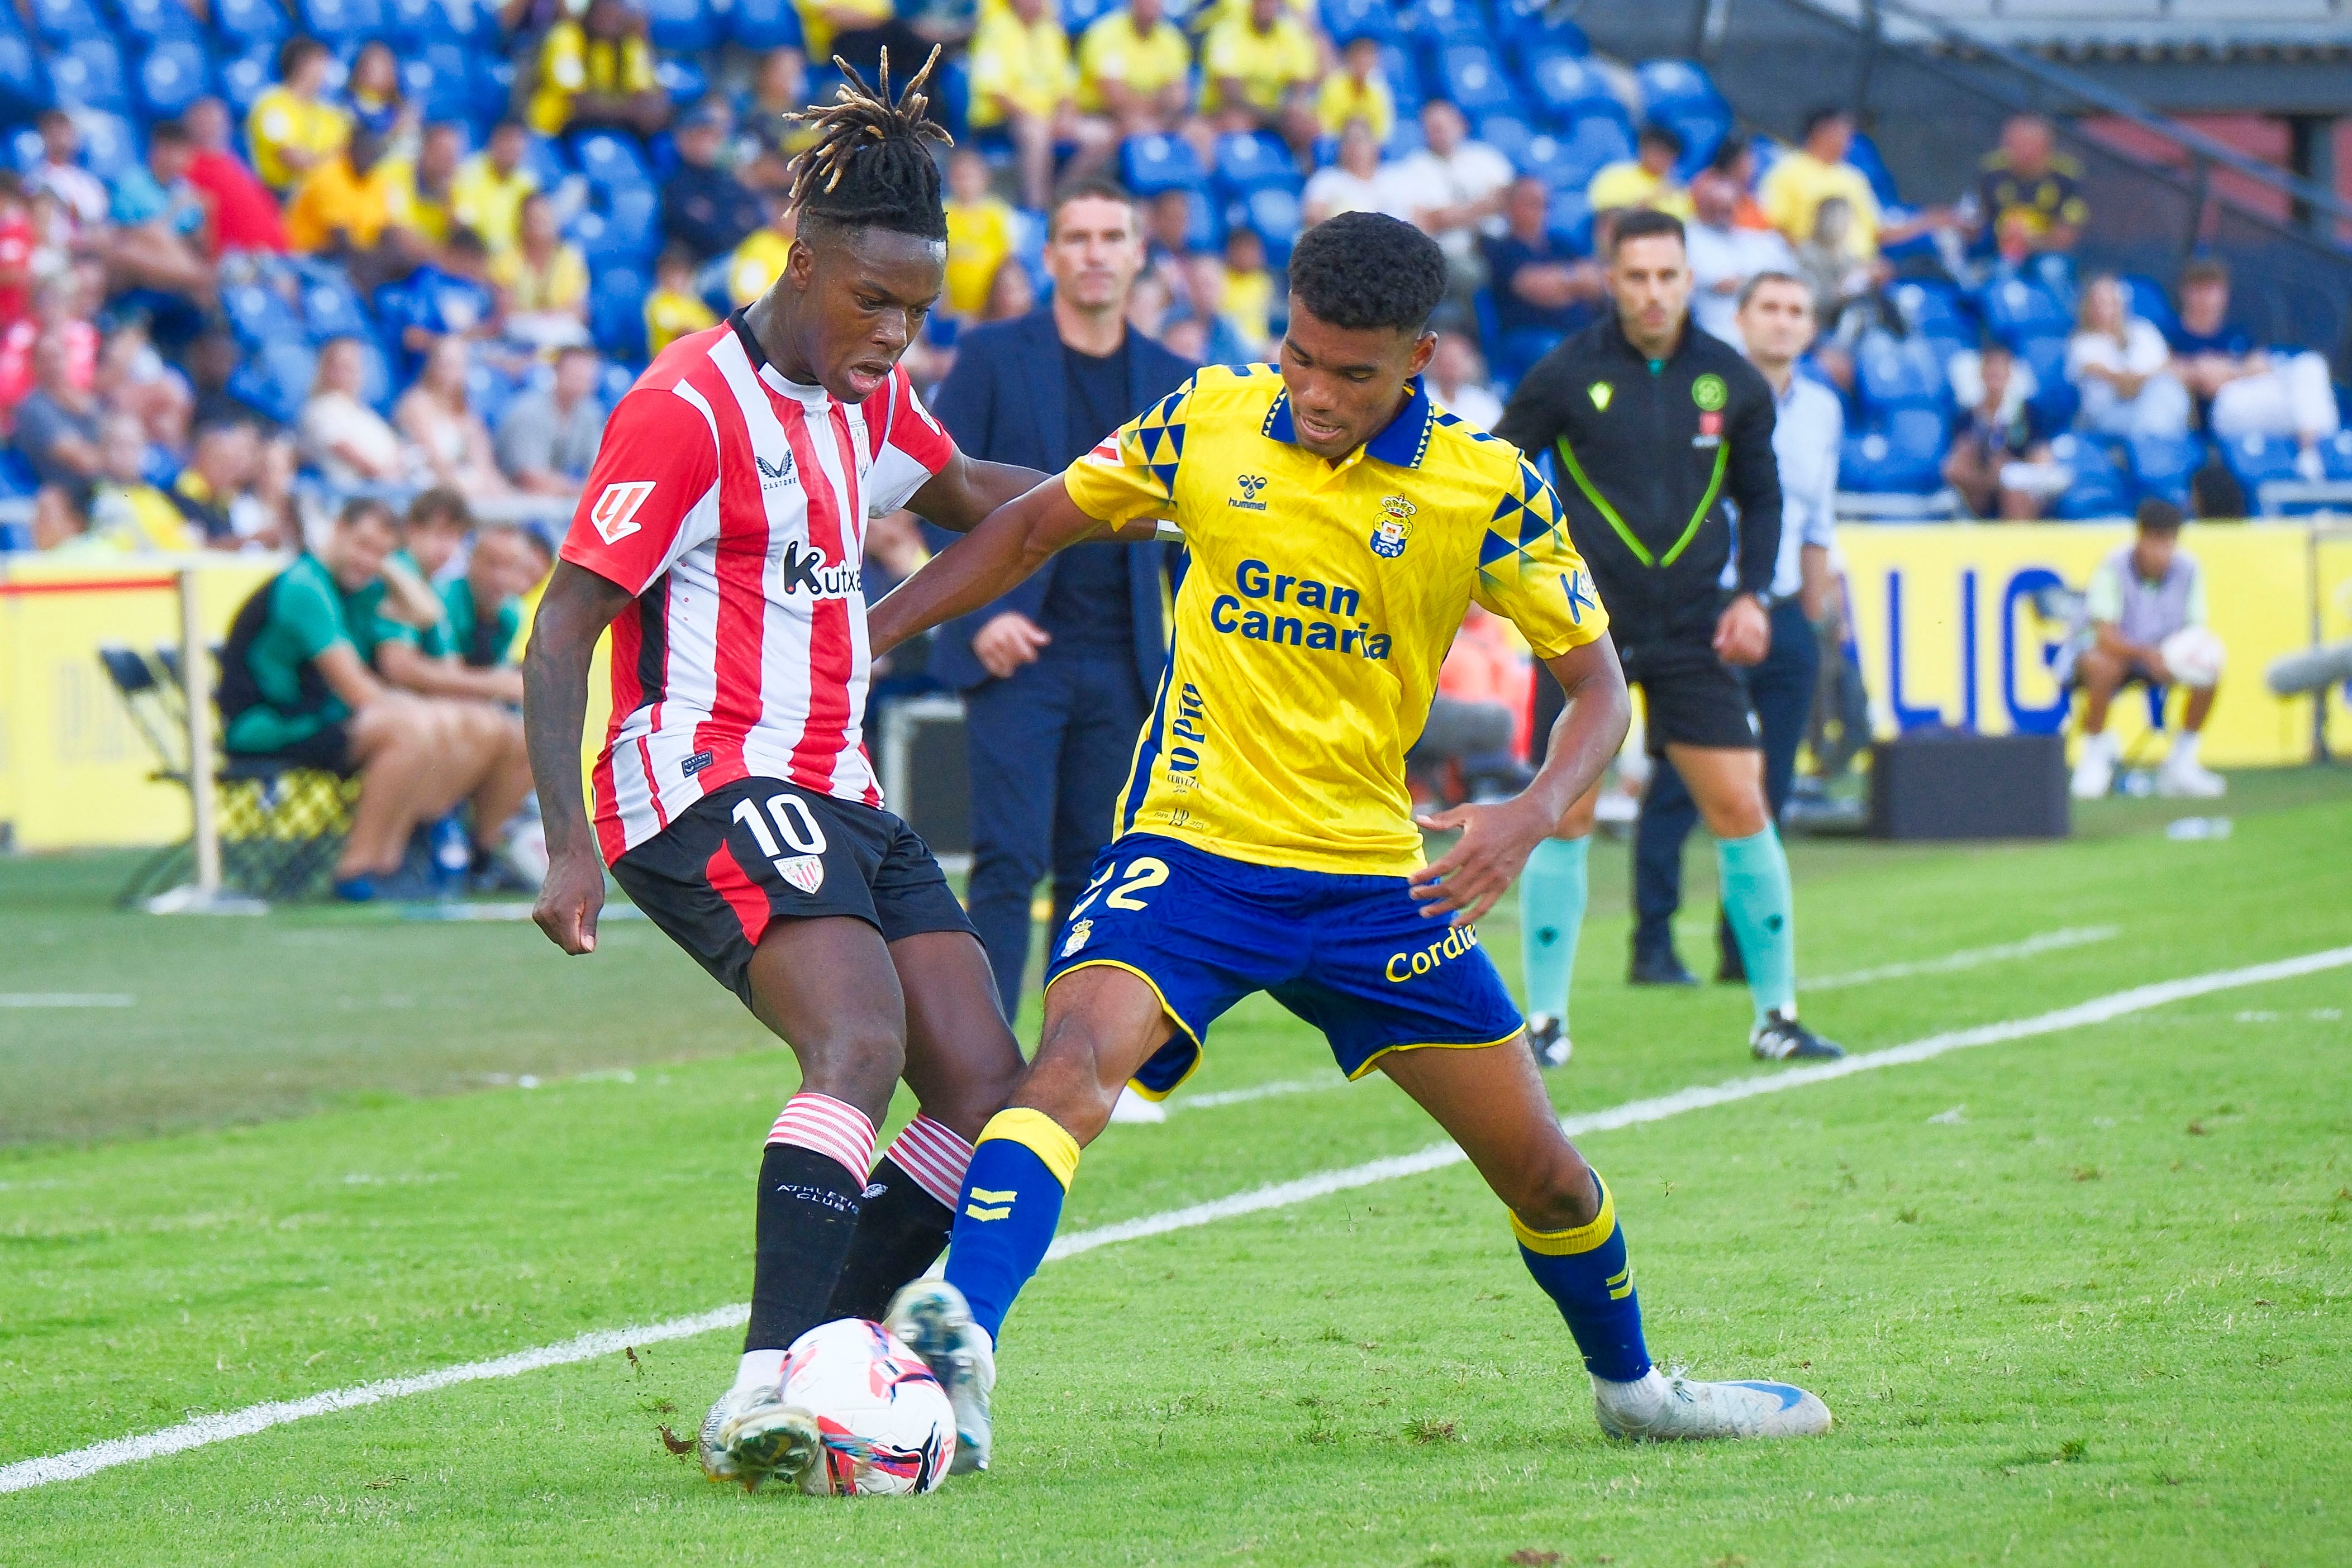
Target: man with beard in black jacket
column 1653, row 425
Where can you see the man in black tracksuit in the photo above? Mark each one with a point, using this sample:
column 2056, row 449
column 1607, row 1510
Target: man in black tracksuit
column 1653, row 425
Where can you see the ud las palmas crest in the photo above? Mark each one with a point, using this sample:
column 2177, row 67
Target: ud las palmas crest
column 1390, row 534
column 803, row 871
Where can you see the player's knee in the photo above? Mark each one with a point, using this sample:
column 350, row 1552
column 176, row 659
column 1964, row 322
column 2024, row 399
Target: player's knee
column 1555, row 1193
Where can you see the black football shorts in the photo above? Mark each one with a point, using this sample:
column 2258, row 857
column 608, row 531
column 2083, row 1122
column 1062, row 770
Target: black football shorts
column 1690, row 697
column 758, row 851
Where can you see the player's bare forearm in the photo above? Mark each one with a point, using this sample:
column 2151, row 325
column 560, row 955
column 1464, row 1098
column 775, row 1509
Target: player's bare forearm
column 984, row 565
column 962, row 495
column 1498, row 839
column 572, row 613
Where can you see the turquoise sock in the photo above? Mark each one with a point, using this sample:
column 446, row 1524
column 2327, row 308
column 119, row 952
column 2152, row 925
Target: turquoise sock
column 1551, row 913
column 1754, row 873
column 1585, row 1273
column 1006, row 1213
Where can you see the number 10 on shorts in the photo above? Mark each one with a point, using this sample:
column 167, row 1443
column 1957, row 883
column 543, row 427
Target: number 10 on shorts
column 804, row 869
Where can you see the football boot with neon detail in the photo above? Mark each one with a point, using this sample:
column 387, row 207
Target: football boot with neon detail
column 931, row 1319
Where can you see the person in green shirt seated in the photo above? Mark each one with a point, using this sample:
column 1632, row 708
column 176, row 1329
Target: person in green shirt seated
column 484, row 608
column 297, row 686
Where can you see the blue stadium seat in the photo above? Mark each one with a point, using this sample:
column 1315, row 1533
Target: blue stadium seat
column 24, row 78
column 62, row 21
column 687, row 26
column 1670, row 85
column 491, row 84
column 2145, row 298
column 414, row 22
column 1247, row 161
column 1864, row 155
column 2016, row 311
column 545, row 157
column 613, row 383
column 1587, row 145
column 2101, row 485
column 616, row 312
column 1474, row 80
column 248, row 22
column 623, row 229
column 257, row 314
column 110, row 144
column 611, row 159
column 276, row 378
column 1404, row 81
column 1077, row 16
column 341, row 24
column 1570, row 216
column 1150, row 164
column 332, row 308
column 246, row 77
column 489, row 390
column 2336, row 452
column 682, row 79
column 1509, row 135
column 1273, row 213
column 156, row 19
column 88, row 72
column 1902, row 456
column 765, row 25
column 175, row 73
column 1893, row 372
column 18, row 482
column 1538, row 24
column 1447, row 21
column 439, row 76
column 1568, row 88
column 25, row 149
column 1932, row 310
column 1349, row 19
column 2162, row 466
column 2256, row 460
column 1202, row 228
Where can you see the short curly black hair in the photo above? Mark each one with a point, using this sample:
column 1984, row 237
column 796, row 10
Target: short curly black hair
column 1360, row 270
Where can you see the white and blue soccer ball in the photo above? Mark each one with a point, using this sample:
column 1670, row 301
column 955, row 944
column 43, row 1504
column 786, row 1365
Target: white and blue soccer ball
column 887, row 1428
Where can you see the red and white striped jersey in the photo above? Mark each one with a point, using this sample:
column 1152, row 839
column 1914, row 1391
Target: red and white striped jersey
column 733, row 504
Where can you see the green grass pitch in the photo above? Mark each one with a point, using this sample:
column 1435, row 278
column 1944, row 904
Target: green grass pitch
column 2075, row 1299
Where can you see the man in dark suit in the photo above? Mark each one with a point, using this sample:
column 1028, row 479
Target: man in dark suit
column 1058, row 675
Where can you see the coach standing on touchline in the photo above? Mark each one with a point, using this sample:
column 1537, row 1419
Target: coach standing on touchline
column 1776, row 322
column 1057, row 674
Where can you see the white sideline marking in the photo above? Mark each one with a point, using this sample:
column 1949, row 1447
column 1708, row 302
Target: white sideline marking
column 208, row 1430
column 1967, row 958
column 1255, row 1091
column 65, row 1000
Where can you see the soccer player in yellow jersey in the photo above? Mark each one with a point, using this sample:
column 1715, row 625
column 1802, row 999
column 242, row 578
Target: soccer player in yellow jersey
column 1340, row 524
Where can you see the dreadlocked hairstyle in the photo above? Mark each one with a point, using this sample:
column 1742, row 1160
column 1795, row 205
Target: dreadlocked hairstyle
column 870, row 167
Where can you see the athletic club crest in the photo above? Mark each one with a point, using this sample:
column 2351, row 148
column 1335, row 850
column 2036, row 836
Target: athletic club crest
column 803, row 871
column 1395, row 527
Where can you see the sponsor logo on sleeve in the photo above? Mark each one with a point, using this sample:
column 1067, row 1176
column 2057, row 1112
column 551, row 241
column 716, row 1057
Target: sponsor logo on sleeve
column 615, row 510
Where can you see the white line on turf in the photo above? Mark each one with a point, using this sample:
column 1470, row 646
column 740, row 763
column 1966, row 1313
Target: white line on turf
column 65, row 1000
column 1967, row 958
column 208, row 1430
column 1255, row 1091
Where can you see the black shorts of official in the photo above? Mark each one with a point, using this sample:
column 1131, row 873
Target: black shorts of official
column 1690, row 697
column 329, row 748
column 758, row 851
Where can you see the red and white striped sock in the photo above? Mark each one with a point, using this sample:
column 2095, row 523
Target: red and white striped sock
column 831, row 1128
column 935, row 1154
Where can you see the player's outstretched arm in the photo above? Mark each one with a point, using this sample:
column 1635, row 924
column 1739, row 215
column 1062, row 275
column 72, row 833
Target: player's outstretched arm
column 572, row 613
column 960, row 497
column 1497, row 839
column 1017, row 538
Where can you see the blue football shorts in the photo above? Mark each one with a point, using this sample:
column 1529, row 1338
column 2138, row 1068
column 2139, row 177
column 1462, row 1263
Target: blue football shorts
column 1351, row 955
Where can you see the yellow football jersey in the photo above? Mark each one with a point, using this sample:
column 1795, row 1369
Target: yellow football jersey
column 1317, row 607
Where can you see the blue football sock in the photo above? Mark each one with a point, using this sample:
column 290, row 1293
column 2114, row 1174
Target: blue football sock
column 1005, row 1215
column 1551, row 913
column 1754, row 875
column 1584, row 1271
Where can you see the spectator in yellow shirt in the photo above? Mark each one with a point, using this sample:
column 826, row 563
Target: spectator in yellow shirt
column 674, row 310
column 759, row 260
column 1258, row 74
column 832, row 27
column 1135, row 67
column 1248, row 303
column 1358, row 90
column 356, row 207
column 598, row 71
column 1645, row 180
column 1022, row 87
column 1809, row 174
column 543, row 281
column 125, row 507
column 290, row 127
column 431, row 183
column 487, row 195
column 979, row 233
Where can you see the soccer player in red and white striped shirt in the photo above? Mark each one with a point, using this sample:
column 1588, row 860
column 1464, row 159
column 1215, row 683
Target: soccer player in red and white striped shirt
column 720, row 536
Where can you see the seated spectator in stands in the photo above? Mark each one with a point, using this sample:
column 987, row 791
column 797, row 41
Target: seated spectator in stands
column 79, row 193
column 598, row 72
column 2028, row 189
column 1222, row 339
column 2120, row 364
column 341, row 436
column 296, row 685
column 542, row 283
column 1826, row 261
column 57, row 422
column 1543, row 289
column 1012, row 293
column 125, row 505
column 414, row 645
column 1355, row 183
column 1735, row 159
column 371, row 94
column 704, row 208
column 1258, row 72
column 291, row 127
column 1135, row 69
column 436, row 416
column 1645, row 180
column 2000, row 457
column 1249, row 292
column 433, row 183
column 857, row 30
column 158, row 241
column 547, row 438
column 2244, row 390
column 1457, row 380
column 766, row 142
column 486, row 194
column 62, row 522
column 351, row 208
column 1724, row 256
column 1815, row 172
column 484, row 605
column 1454, row 188
column 760, row 259
column 2140, row 595
column 1359, row 89
column 674, row 309
column 214, row 491
column 245, row 216
column 61, row 310
column 1021, row 89
column 979, row 233
column 449, row 298
column 210, row 360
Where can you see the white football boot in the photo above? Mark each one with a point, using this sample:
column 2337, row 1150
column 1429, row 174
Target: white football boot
column 2183, row 778
column 752, row 1435
column 2095, row 768
column 930, row 1318
column 1659, row 1408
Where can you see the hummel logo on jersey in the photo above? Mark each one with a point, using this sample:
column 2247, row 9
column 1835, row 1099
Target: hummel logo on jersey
column 615, row 508
column 1252, row 486
column 802, row 568
column 771, row 476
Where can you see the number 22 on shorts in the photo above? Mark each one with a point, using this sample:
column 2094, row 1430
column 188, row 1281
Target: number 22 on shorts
column 1142, row 873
